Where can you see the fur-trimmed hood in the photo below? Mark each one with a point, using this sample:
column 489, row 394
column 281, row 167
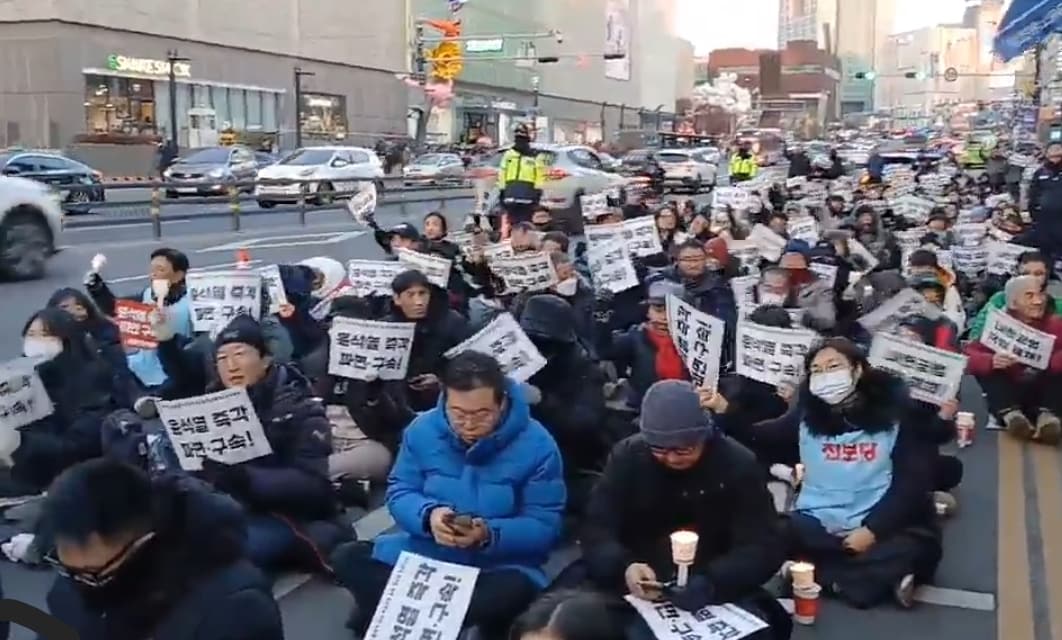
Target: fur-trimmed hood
column 881, row 400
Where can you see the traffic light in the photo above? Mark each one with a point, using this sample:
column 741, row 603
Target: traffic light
column 865, row 75
column 915, row 75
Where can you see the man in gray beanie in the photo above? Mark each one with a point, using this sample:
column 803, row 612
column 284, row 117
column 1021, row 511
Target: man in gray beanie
column 680, row 473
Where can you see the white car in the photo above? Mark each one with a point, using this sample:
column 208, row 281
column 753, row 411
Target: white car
column 326, row 173
column 434, row 169
column 686, row 168
column 30, row 221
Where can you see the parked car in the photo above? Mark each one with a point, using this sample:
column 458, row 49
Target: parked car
column 687, row 169
column 79, row 185
column 211, row 170
column 634, row 162
column 326, row 173
column 435, row 169
column 264, row 158
column 30, row 221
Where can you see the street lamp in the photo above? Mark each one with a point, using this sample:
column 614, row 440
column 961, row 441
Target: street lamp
column 172, row 57
column 299, row 74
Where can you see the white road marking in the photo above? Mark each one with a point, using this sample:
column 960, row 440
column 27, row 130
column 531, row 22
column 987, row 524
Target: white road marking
column 124, row 225
column 374, row 523
column 959, row 598
column 212, row 267
column 285, row 241
column 289, row 583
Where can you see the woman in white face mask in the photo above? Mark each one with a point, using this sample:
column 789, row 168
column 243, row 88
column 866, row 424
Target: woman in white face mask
column 864, row 515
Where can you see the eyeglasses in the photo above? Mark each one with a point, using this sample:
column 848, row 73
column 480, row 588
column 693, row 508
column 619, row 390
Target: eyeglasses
column 678, row 451
column 104, row 575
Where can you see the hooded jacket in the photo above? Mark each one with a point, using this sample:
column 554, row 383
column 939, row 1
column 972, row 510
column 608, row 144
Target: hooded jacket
column 198, row 583
column 441, row 330
column 1045, row 206
column 305, row 333
column 513, row 479
column 878, row 241
column 998, row 301
column 638, row 503
column 105, row 338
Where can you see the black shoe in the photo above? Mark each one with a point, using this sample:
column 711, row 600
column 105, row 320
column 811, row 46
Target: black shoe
column 352, row 493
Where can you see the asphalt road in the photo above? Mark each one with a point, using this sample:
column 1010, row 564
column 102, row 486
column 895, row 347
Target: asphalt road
column 998, row 580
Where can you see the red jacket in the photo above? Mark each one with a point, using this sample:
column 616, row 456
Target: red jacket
column 979, row 357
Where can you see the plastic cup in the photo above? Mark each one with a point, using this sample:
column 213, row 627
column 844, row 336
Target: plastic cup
column 964, row 427
column 803, row 574
column 806, row 604
column 160, row 288
column 684, row 547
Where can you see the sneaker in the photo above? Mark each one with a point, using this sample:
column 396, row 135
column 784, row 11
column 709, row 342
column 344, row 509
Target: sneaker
column 904, row 591
column 1017, row 425
column 946, row 503
column 1048, row 428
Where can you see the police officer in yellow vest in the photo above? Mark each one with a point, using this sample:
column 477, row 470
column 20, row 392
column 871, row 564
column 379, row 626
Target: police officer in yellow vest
column 743, row 165
column 521, row 177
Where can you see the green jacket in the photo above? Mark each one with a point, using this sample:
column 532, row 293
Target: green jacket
column 999, row 301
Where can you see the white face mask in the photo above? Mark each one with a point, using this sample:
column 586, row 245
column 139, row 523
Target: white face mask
column 567, row 287
column 47, row 348
column 832, row 387
column 767, row 297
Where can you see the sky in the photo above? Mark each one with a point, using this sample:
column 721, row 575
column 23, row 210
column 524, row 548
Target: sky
column 758, row 25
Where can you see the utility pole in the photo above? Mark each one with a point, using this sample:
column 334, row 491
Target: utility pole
column 299, row 74
column 172, row 57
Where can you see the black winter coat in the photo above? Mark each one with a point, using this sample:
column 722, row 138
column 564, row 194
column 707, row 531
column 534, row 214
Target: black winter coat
column 573, row 407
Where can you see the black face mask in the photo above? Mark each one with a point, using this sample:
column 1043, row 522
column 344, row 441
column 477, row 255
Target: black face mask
column 544, row 227
column 132, row 579
column 522, row 144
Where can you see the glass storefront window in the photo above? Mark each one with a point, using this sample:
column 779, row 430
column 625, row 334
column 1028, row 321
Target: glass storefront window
column 254, row 110
column 201, row 96
column 269, row 111
column 238, row 109
column 124, row 105
column 220, row 96
column 323, row 114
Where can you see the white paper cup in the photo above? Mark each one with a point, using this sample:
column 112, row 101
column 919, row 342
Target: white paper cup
column 160, row 288
column 683, row 547
column 803, row 574
column 98, row 261
column 964, row 418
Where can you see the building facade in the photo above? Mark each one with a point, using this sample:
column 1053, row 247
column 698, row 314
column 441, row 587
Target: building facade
column 862, row 31
column 814, row 20
column 928, row 53
column 74, row 67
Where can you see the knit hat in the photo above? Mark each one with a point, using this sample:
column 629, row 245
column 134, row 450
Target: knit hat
column 243, row 330
column 797, row 246
column 404, row 230
column 672, row 417
column 661, row 289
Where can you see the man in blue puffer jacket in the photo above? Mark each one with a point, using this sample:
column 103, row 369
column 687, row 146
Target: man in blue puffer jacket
column 476, row 482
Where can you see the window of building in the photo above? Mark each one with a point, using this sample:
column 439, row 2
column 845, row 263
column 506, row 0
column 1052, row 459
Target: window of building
column 119, row 104
column 238, row 109
column 220, row 97
column 323, row 114
column 254, row 109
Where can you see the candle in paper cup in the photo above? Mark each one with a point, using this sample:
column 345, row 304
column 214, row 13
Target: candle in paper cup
column 98, row 261
column 683, row 547
column 160, row 287
column 798, row 473
column 803, row 574
column 806, row 604
column 964, row 427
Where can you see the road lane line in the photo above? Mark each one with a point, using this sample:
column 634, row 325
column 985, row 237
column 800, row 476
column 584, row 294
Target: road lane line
column 1048, row 473
column 1014, row 620
column 125, row 225
column 192, row 270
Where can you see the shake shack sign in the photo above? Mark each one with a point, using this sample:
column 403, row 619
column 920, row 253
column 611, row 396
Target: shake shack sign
column 147, row 66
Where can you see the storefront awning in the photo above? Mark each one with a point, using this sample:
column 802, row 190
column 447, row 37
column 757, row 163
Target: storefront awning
column 1026, row 24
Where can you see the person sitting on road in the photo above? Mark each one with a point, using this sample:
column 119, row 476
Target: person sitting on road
column 863, row 515
column 139, row 559
column 329, row 282
column 1030, row 263
column 681, row 473
column 1025, row 400
column 167, row 274
column 924, row 263
column 477, row 482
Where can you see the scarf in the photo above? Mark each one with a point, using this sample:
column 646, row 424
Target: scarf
column 668, row 363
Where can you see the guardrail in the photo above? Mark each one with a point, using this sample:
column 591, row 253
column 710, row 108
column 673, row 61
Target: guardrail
column 237, row 199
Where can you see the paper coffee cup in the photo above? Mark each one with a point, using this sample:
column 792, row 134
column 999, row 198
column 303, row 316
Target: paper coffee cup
column 160, row 288
column 683, row 547
column 803, row 574
column 806, row 604
column 98, row 261
column 965, row 418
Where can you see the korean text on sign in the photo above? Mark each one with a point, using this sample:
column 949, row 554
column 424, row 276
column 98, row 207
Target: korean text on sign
column 933, row 375
column 274, row 284
column 594, row 206
column 640, row 234
column 222, row 426
column 373, row 277
column 506, row 341
column 424, row 599
column 134, row 324
column 525, row 272
column 611, row 267
column 23, row 398
column 1027, row 345
column 369, row 349
column 219, row 296
column 714, row 622
column 907, row 302
column 698, row 338
column 772, row 355
column 436, row 269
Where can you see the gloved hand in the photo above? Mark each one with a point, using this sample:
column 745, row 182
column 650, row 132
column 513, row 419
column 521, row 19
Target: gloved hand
column 696, row 595
column 93, row 280
column 227, row 478
column 532, row 394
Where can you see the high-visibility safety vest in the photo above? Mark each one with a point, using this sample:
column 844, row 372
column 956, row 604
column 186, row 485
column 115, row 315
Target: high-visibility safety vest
column 743, row 167
column 521, row 177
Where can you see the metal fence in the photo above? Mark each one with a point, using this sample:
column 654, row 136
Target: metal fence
column 234, row 200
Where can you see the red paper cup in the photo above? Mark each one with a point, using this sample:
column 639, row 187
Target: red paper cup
column 806, row 604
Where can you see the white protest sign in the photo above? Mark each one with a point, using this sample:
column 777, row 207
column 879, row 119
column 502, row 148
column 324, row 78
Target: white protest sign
column 373, row 277
column 772, row 355
column 611, row 267
column 856, row 248
column 826, row 272
column 216, row 297
column 23, row 398
column 698, row 337
column 907, row 302
column 713, row 622
column 369, row 349
column 734, row 197
column 768, row 242
column 273, row 283
column 435, row 268
column 804, row 228
column 525, row 272
column 1005, row 334
column 1003, row 257
column 744, row 288
column 913, row 208
column 424, row 598
column 498, row 250
column 933, row 375
column 745, row 252
column 221, row 426
column 639, row 233
column 910, row 238
column 796, row 182
column 594, row 205
column 506, row 341
column 969, row 260
column 969, row 234
column 363, row 203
